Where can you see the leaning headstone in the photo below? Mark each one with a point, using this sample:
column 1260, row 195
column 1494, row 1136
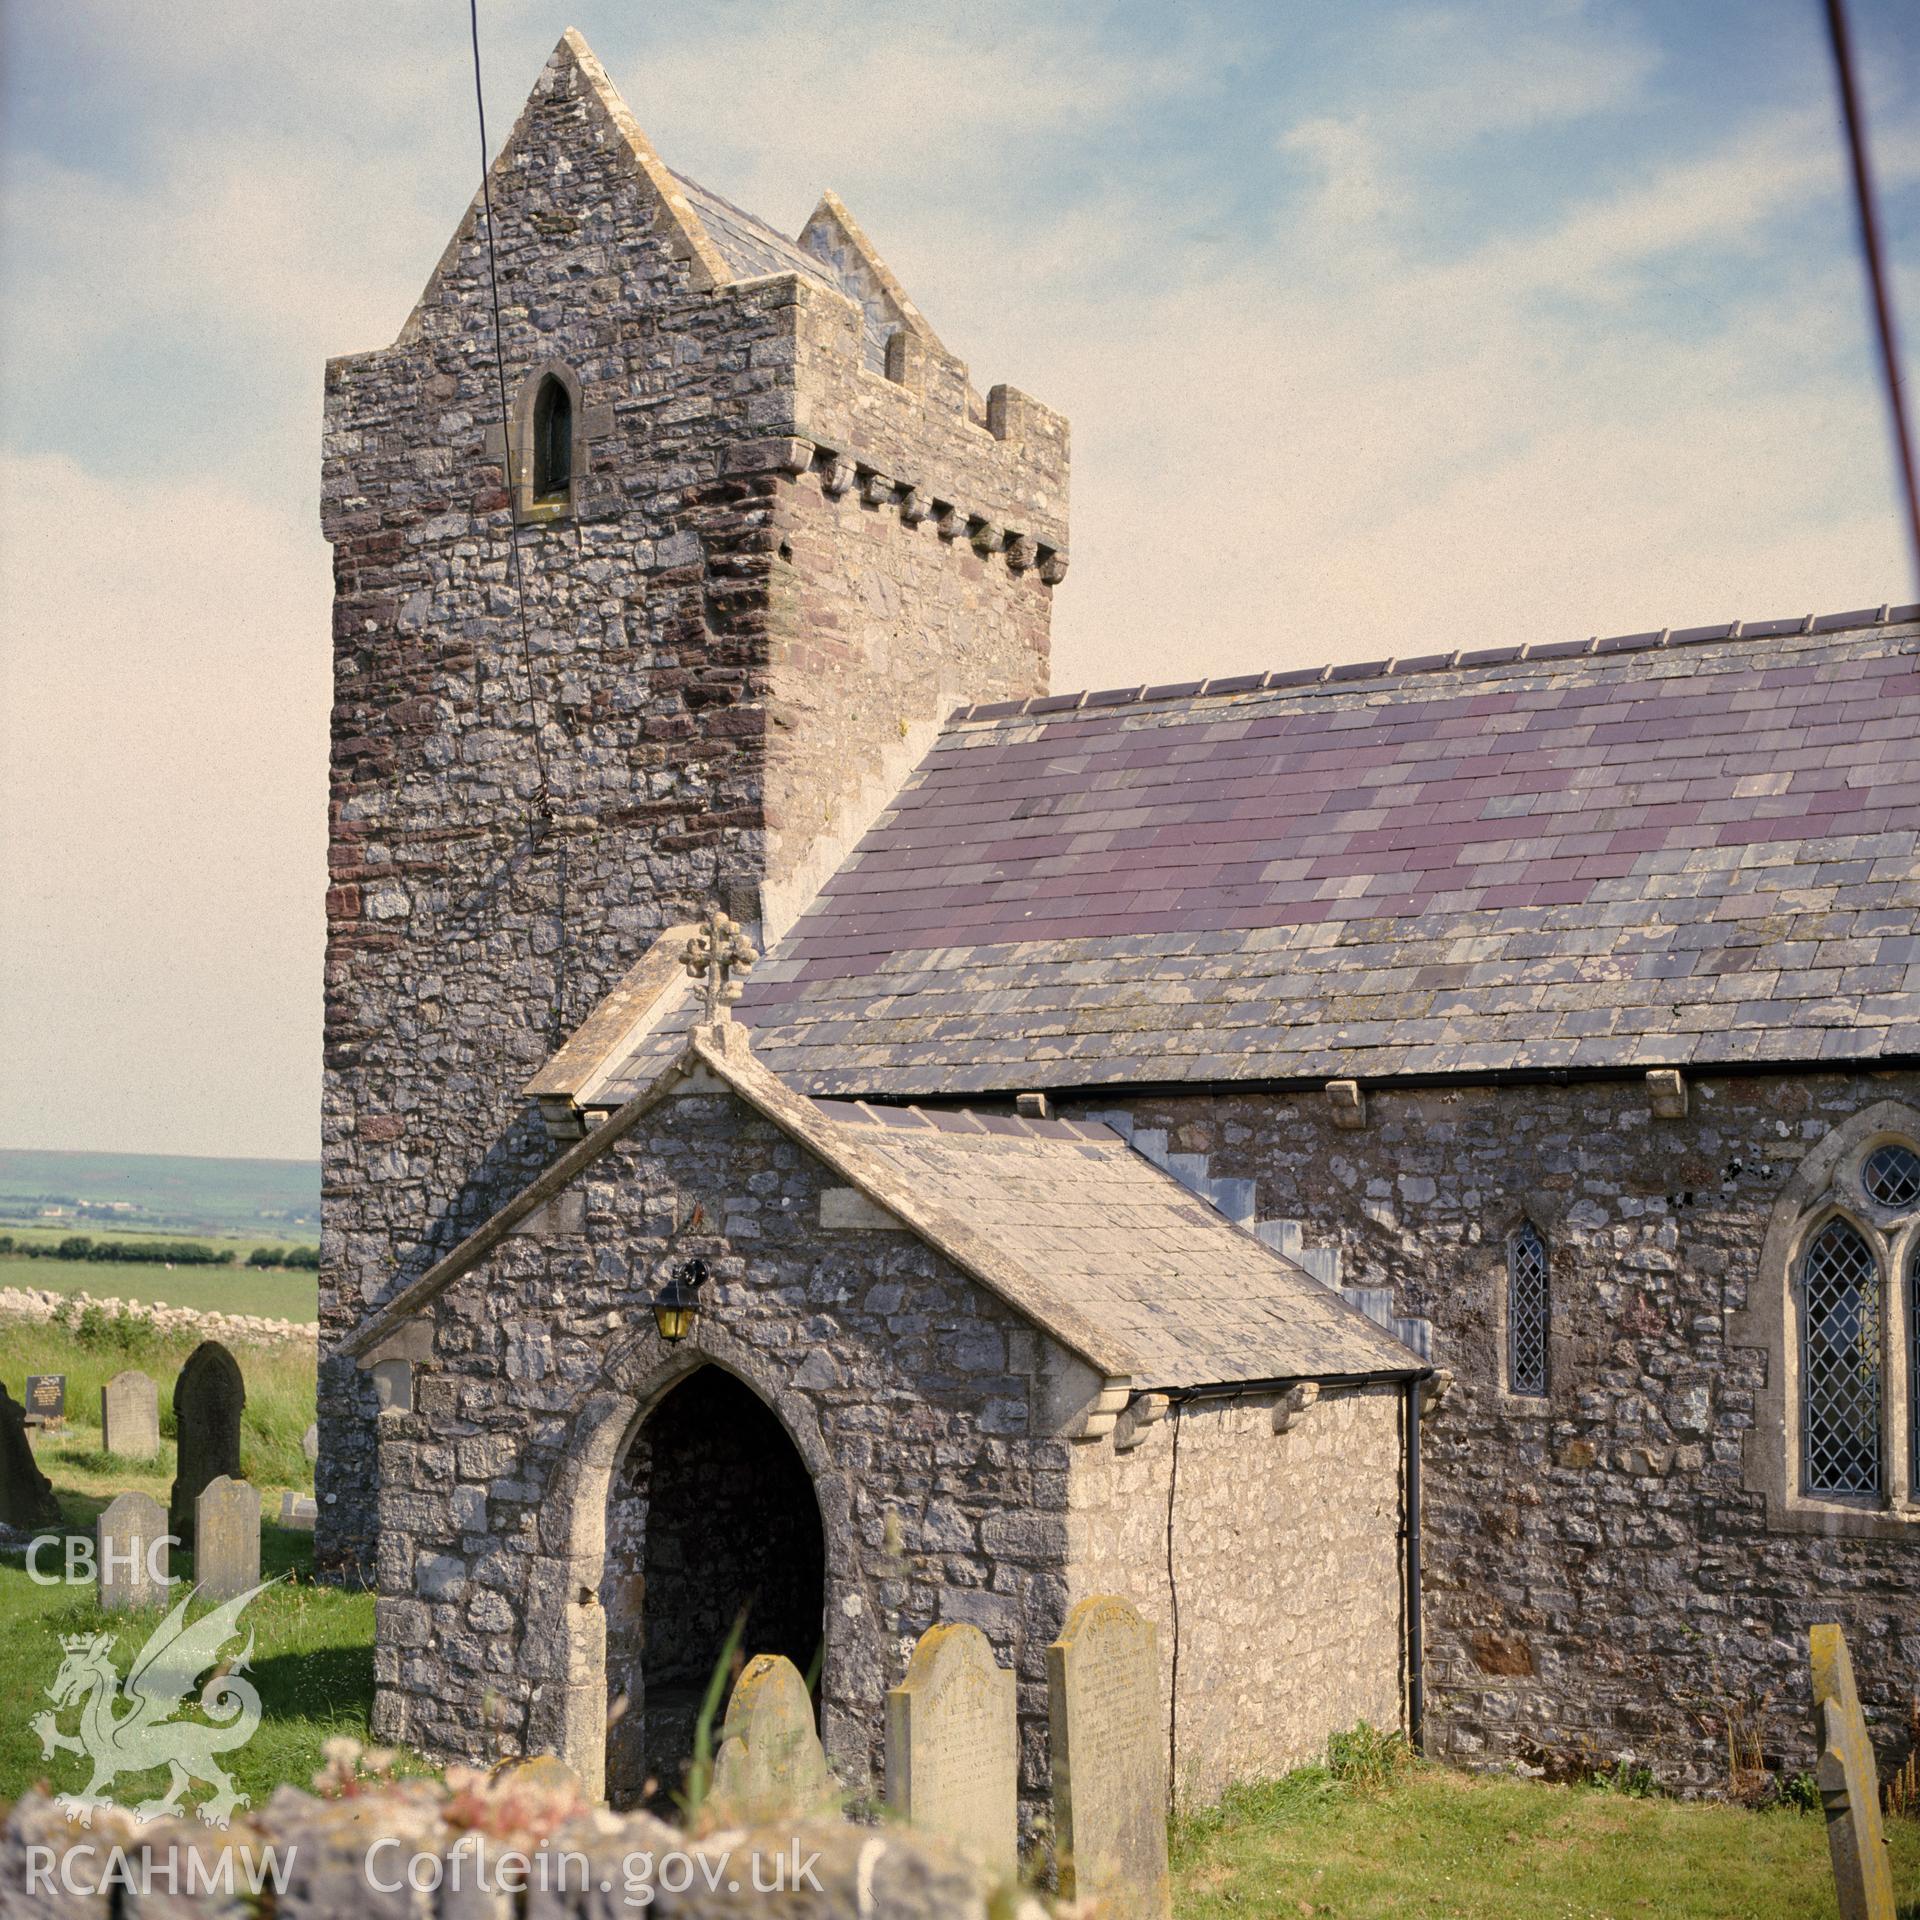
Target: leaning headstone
column 770, row 1765
column 207, row 1402
column 226, row 1538
column 1849, row 1783
column 1108, row 1737
column 128, row 1555
column 953, row 1746
column 310, row 1442
column 130, row 1416
column 26, row 1494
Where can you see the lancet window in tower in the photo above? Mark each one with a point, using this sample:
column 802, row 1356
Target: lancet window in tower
column 552, row 441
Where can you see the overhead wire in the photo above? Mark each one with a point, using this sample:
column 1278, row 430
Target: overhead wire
column 541, row 815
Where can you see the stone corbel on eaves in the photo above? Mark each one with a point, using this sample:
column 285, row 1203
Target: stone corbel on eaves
column 842, row 472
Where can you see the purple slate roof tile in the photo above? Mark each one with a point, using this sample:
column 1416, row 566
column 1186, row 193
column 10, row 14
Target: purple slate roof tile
column 1542, row 857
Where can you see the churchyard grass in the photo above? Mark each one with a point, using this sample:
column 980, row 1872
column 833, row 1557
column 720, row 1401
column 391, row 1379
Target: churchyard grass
column 312, row 1662
column 1449, row 1846
column 280, row 1404
column 313, row 1646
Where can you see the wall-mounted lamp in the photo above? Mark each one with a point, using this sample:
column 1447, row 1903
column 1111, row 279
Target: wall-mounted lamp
column 675, row 1305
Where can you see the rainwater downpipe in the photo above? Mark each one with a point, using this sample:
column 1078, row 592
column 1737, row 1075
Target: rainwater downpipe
column 1416, row 1647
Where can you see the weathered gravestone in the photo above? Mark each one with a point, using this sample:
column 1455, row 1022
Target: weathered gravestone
column 310, row 1441
column 130, row 1416
column 26, row 1494
column 226, row 1538
column 1849, row 1782
column 208, row 1399
column 1108, row 1740
column 131, row 1564
column 771, row 1765
column 299, row 1510
column 953, row 1746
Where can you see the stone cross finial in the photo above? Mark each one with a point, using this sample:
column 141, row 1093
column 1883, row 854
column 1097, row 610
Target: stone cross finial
column 713, row 956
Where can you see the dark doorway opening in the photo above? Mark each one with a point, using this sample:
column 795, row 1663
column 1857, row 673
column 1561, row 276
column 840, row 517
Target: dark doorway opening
column 712, row 1514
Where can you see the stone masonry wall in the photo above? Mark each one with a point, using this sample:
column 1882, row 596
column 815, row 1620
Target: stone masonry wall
column 916, row 1397
column 1601, row 1579
column 491, row 879
column 1287, row 1561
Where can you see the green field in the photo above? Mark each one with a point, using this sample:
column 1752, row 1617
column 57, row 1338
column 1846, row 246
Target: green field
column 1448, row 1846
column 175, row 1193
column 274, row 1293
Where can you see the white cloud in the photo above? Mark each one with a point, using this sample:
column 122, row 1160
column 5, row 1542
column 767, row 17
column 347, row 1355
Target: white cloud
column 164, row 682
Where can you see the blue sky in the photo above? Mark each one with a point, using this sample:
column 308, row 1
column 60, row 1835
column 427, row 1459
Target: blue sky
column 1382, row 327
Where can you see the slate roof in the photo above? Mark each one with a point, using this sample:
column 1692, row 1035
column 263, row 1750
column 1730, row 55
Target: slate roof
column 1676, row 849
column 1185, row 1296
column 751, row 247
column 1064, row 1220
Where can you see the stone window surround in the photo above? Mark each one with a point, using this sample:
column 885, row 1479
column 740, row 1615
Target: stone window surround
column 1512, row 1245
column 1500, row 1279
column 589, row 424
column 1826, row 1186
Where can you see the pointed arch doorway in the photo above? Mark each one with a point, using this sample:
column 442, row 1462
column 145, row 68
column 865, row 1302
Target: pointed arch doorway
column 711, row 1515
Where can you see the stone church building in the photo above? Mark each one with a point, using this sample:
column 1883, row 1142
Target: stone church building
column 1408, row 1170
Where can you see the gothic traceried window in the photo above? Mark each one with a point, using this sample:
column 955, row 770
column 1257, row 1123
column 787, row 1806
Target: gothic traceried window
column 1841, row 1362
column 1528, row 1304
column 552, row 441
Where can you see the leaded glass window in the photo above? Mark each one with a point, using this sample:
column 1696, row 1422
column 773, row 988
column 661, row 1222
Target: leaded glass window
column 1527, row 1312
column 1840, row 1360
column 1913, row 1361
column 1892, row 1176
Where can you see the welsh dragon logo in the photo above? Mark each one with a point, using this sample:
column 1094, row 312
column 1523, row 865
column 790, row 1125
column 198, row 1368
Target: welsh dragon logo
column 147, row 1736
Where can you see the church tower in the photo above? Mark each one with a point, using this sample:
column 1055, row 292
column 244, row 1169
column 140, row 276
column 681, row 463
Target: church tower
column 665, row 628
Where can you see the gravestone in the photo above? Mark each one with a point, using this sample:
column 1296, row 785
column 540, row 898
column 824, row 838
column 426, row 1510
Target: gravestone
column 953, row 1746
column 1849, row 1780
column 26, row 1494
column 226, row 1538
column 299, row 1510
column 1108, row 1736
column 310, row 1442
column 130, row 1416
column 124, row 1540
column 207, row 1402
column 771, row 1765
column 46, row 1399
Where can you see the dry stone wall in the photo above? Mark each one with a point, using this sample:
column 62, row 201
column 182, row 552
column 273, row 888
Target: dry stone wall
column 514, row 813
column 1285, row 1556
column 1602, row 1582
